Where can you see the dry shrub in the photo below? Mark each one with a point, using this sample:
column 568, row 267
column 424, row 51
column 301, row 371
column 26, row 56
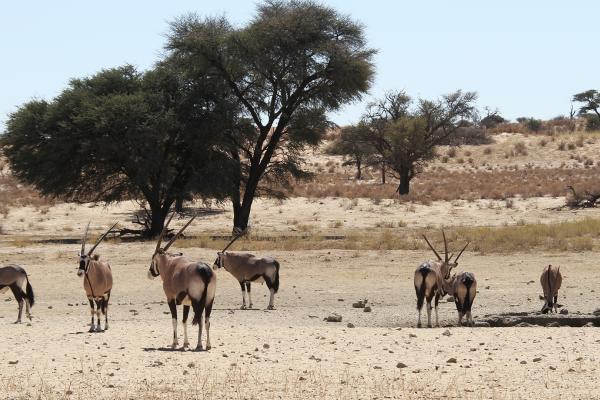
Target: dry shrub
column 487, row 150
column 451, row 152
column 520, row 148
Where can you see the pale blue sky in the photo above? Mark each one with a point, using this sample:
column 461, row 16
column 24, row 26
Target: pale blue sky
column 525, row 57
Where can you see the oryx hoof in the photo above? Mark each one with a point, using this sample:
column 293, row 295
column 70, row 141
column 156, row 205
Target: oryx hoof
column 250, row 306
column 186, row 345
column 243, row 307
column 105, row 327
column 99, row 329
column 270, row 307
column 92, row 329
column 208, row 347
column 17, row 322
column 199, row 348
column 429, row 326
column 174, row 345
column 419, row 325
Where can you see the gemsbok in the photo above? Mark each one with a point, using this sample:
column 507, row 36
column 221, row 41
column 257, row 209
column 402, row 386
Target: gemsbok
column 463, row 288
column 191, row 283
column 246, row 268
column 429, row 277
column 15, row 278
column 97, row 280
column 551, row 280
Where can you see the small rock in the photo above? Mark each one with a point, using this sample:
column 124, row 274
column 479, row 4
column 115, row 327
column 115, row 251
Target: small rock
column 596, row 312
column 266, row 346
column 225, row 355
column 367, row 309
column 416, row 371
column 191, row 365
column 564, row 311
column 401, row 365
column 537, row 359
column 451, row 360
column 376, row 367
column 447, row 332
column 49, row 307
column 13, row 362
column 302, row 378
column 333, row 317
column 360, row 304
column 523, row 362
column 340, row 299
column 552, row 368
column 350, row 325
column 487, row 287
column 412, row 335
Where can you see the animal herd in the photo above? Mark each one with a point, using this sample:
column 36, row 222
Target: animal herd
column 193, row 283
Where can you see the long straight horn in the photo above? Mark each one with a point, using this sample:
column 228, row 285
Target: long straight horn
column 174, row 238
column 162, row 233
column 84, row 238
column 445, row 247
column 233, row 241
column 101, row 238
column 459, row 254
column 431, row 247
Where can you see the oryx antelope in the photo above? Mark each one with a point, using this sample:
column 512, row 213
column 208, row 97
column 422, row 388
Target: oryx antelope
column 551, row 280
column 429, row 278
column 246, row 268
column 186, row 282
column 97, row 280
column 463, row 287
column 15, row 278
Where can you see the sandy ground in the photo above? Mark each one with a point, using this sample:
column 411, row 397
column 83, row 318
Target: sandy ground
column 300, row 215
column 291, row 352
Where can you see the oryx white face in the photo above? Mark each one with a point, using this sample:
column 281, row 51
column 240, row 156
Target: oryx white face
column 153, row 271
column 84, row 261
column 219, row 261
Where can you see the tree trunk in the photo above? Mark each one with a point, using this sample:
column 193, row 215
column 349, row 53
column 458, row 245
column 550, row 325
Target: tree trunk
column 404, row 186
column 358, row 169
column 383, row 173
column 179, row 204
column 158, row 214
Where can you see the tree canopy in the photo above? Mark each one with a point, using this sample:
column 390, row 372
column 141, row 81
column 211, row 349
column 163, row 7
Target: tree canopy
column 294, row 62
column 121, row 134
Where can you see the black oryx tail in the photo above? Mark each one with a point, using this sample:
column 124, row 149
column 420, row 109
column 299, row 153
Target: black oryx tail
column 29, row 292
column 276, row 280
column 206, row 273
column 466, row 306
column 550, row 293
column 421, row 289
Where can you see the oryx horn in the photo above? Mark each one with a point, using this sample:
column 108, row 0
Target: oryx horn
column 102, row 238
column 445, row 247
column 459, row 254
column 84, row 238
column 233, row 241
column 162, row 233
column 174, row 238
column 431, row 247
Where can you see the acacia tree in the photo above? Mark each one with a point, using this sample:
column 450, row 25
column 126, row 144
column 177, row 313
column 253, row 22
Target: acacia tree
column 408, row 136
column 591, row 104
column 122, row 134
column 353, row 143
column 294, row 62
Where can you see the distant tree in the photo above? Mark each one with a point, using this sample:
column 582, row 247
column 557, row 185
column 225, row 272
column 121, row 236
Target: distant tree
column 410, row 138
column 492, row 118
column 534, row 125
column 393, row 106
column 590, row 109
column 122, row 134
column 354, row 145
column 294, row 62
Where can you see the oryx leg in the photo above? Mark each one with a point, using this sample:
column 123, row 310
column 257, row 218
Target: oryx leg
column 186, row 312
column 428, row 312
column 173, row 308
column 269, row 283
column 243, row 295
column 198, row 306
column 207, row 312
column 105, row 309
column 92, row 324
column 437, row 318
column 98, row 311
column 17, row 292
column 249, row 296
column 555, row 304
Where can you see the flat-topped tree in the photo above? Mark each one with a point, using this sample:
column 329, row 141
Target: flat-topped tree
column 119, row 135
column 294, row 62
